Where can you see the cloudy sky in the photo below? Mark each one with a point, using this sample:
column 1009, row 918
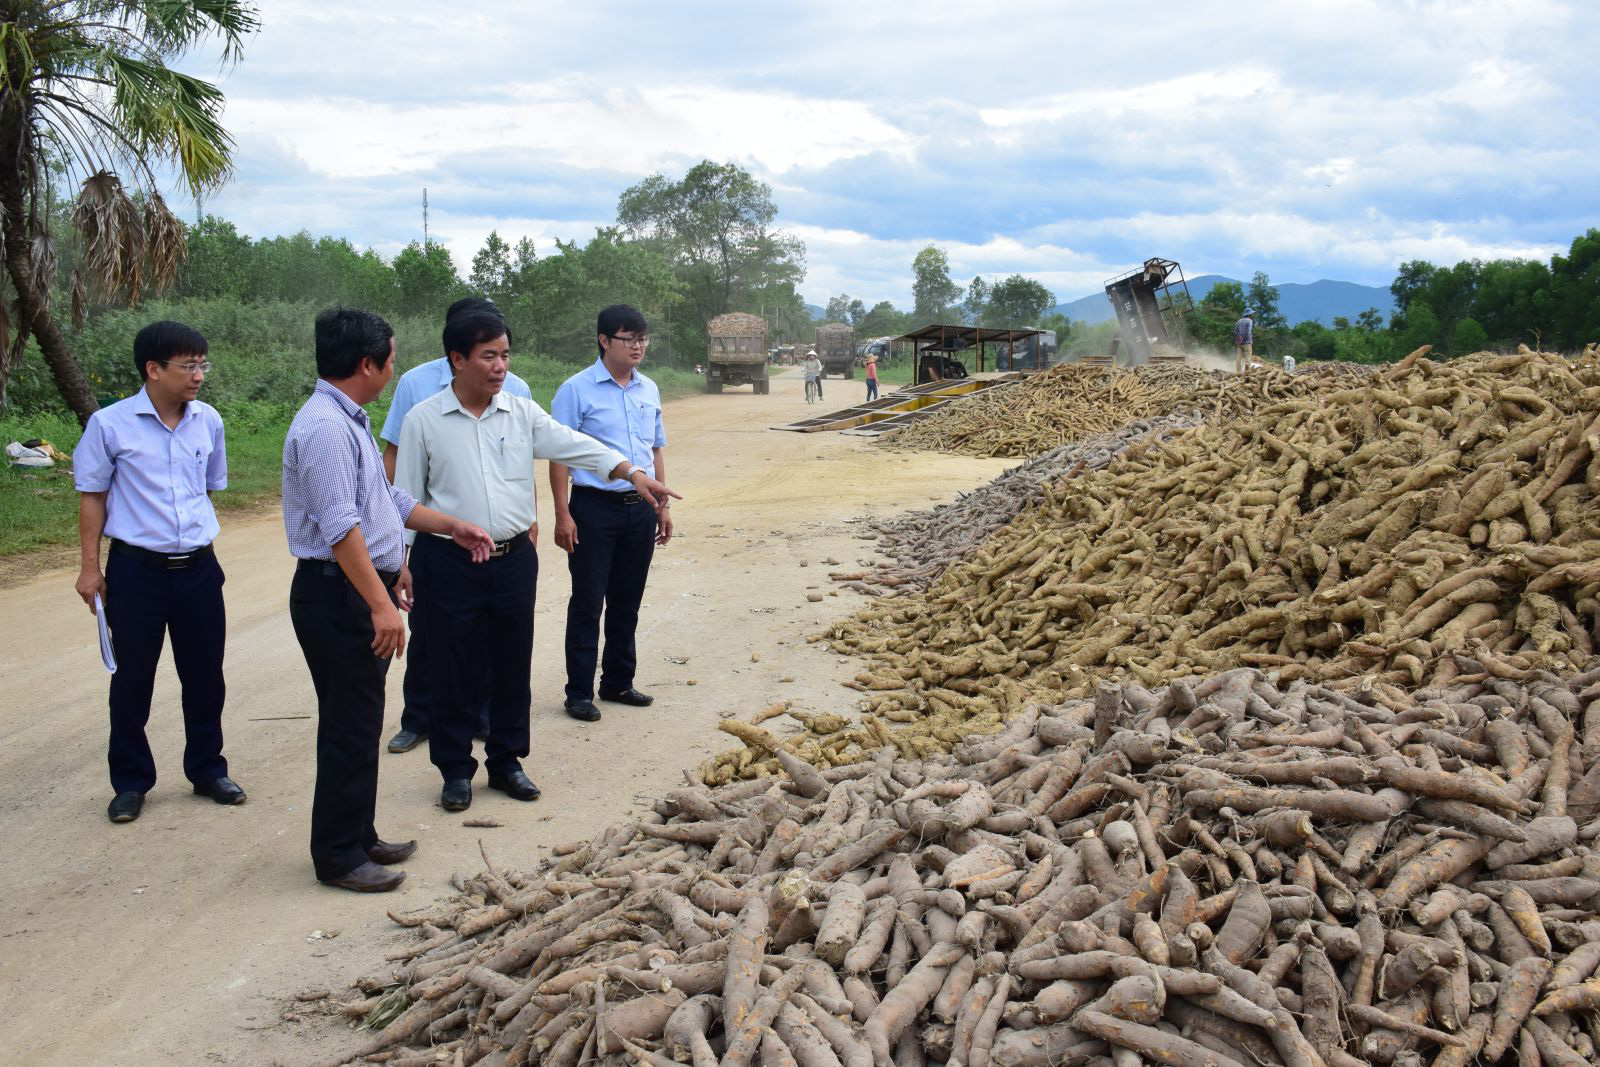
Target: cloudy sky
column 1320, row 139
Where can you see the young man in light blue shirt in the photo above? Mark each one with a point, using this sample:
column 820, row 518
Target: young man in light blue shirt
column 608, row 529
column 146, row 467
column 415, row 386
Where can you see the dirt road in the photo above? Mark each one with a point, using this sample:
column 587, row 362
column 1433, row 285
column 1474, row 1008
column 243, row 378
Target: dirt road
column 183, row 937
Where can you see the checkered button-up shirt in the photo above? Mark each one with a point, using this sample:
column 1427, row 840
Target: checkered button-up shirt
column 333, row 482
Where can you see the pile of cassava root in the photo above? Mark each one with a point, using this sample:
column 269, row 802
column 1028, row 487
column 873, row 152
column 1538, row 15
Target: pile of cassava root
column 921, row 544
column 1218, row 873
column 1070, row 402
column 1442, row 518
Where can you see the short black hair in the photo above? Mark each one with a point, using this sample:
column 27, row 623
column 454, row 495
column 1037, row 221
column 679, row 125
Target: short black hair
column 465, row 331
column 474, row 303
column 346, row 336
column 164, row 340
column 616, row 318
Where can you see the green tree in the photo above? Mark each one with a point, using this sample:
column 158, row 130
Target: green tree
column 220, row 262
column 843, row 308
column 883, row 320
column 975, row 306
column 426, row 280
column 84, row 84
column 491, row 268
column 1575, row 292
column 559, row 295
column 1018, row 301
column 1262, row 297
column 1468, row 337
column 1421, row 328
column 933, row 294
column 715, row 227
column 1211, row 321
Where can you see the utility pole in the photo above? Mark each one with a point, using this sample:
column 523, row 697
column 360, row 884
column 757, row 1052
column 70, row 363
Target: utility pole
column 425, row 241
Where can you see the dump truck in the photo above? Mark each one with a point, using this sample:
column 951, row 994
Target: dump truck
column 836, row 347
column 736, row 352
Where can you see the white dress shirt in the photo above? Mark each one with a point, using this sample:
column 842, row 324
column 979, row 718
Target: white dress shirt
column 481, row 468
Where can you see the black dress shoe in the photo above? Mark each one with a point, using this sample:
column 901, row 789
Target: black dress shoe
column 583, row 710
column 125, row 806
column 222, row 790
column 387, row 852
column 406, row 740
column 515, row 784
column 456, row 795
column 368, row 878
column 629, row 696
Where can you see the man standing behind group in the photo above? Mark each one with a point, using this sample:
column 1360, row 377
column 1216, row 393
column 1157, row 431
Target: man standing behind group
column 608, row 528
column 414, row 386
column 344, row 521
column 469, row 450
column 146, row 467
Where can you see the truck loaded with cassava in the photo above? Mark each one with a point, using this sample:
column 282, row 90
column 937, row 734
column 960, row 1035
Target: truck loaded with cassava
column 736, row 352
column 836, row 348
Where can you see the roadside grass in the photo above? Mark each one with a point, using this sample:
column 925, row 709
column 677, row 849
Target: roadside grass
column 39, row 507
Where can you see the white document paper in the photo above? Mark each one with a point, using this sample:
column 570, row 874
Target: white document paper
column 107, row 655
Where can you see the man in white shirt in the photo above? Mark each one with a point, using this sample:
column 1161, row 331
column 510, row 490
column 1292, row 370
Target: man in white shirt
column 471, row 447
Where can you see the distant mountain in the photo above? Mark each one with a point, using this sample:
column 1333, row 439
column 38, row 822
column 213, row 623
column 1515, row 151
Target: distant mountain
column 819, row 312
column 1319, row 301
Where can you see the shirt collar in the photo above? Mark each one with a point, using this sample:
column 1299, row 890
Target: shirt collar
column 452, row 402
column 601, row 374
column 340, row 397
column 143, row 405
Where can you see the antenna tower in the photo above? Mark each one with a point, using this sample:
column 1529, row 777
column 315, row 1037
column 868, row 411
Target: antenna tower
column 425, row 242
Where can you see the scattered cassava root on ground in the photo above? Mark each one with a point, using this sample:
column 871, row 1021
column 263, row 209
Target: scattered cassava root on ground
column 1226, row 870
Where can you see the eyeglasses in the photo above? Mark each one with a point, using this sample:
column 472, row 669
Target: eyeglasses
column 189, row 368
column 641, row 341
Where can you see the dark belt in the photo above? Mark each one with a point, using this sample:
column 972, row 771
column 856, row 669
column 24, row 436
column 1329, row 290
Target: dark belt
column 166, row 561
column 502, row 547
column 628, row 497
column 326, row 568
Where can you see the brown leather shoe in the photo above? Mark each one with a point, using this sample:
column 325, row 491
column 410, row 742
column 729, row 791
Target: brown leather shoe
column 368, row 878
column 388, row 852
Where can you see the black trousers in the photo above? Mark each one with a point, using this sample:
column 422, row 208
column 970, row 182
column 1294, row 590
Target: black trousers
column 143, row 603
column 417, row 715
column 334, row 627
column 609, row 565
column 478, row 621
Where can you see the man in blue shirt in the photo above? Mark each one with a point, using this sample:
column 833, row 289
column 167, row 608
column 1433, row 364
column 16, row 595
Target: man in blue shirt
column 416, row 385
column 607, row 528
column 1244, row 341
column 146, row 467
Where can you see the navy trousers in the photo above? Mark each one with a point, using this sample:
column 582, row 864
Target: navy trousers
column 609, row 565
column 334, row 627
column 417, row 715
column 478, row 621
column 144, row 602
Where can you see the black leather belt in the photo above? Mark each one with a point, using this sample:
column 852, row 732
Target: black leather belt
column 166, row 561
column 502, row 547
column 628, row 497
column 327, row 568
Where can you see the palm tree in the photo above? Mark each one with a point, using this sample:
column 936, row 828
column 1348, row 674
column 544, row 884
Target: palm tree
column 85, row 92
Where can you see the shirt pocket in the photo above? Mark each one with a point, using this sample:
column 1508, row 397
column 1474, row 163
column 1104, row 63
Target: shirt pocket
column 516, row 457
column 642, row 416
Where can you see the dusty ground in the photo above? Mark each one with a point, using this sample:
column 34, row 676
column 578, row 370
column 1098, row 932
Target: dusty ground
column 183, row 937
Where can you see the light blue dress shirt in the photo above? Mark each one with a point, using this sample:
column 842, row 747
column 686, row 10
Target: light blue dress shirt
column 421, row 382
column 155, row 479
column 627, row 419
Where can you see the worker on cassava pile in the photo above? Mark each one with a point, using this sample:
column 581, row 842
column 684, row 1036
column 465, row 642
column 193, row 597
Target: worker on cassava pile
column 146, row 468
column 610, row 526
column 344, row 520
column 1244, row 332
column 812, row 369
column 469, row 449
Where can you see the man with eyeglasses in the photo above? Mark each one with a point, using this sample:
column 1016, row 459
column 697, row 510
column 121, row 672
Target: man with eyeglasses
column 608, row 529
column 146, row 468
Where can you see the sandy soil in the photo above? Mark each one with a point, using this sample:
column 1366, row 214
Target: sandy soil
column 184, row 937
